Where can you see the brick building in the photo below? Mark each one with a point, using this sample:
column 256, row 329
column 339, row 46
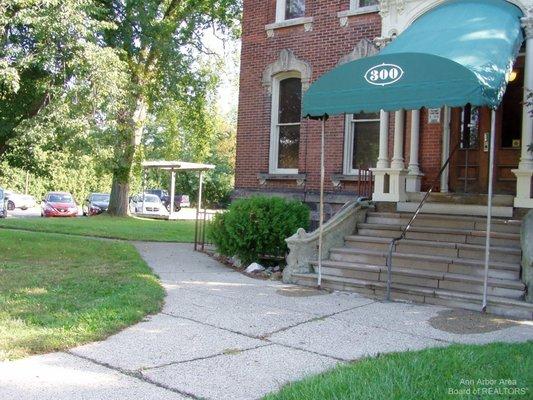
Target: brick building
column 288, row 44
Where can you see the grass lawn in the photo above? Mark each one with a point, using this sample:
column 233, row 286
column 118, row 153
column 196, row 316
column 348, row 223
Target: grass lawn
column 128, row 228
column 427, row 374
column 57, row 292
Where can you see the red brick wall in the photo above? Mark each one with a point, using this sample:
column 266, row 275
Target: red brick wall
column 321, row 48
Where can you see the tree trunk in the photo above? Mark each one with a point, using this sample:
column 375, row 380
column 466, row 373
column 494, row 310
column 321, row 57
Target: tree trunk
column 124, row 156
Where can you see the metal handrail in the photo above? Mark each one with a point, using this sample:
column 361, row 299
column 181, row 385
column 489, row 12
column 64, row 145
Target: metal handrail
column 394, row 241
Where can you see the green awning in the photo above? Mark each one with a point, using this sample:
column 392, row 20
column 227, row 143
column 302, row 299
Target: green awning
column 459, row 53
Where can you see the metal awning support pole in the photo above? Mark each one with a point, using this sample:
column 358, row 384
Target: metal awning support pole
column 321, row 212
column 489, row 206
column 198, row 208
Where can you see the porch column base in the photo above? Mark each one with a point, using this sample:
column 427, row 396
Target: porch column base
column 523, row 197
column 413, row 181
column 389, row 184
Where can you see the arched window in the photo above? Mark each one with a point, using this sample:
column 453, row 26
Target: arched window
column 285, row 123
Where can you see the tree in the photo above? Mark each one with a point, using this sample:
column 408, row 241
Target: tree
column 56, row 79
column 159, row 41
column 87, row 75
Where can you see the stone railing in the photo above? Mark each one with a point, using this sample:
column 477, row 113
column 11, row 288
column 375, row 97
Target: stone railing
column 303, row 246
column 527, row 254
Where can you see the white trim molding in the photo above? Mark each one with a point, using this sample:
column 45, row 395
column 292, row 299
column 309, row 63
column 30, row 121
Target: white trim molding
column 286, row 66
column 286, row 62
column 274, row 125
column 364, row 48
column 355, row 9
column 283, row 22
column 307, row 22
column 349, row 137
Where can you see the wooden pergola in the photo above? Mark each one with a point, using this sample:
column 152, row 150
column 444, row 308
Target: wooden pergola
column 173, row 167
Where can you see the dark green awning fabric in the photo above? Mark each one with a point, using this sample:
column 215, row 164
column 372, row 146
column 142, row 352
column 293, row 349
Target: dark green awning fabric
column 458, row 53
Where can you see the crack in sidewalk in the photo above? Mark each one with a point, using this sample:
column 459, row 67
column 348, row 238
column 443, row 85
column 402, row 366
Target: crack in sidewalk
column 226, row 352
column 135, row 374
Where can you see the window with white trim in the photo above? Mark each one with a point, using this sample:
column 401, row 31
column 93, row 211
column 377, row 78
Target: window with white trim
column 286, row 120
column 289, row 9
column 356, row 4
column 361, row 142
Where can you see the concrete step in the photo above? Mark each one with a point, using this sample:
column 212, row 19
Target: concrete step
column 415, row 261
column 448, row 249
column 445, row 221
column 456, row 209
column 377, row 289
column 423, row 278
column 440, row 234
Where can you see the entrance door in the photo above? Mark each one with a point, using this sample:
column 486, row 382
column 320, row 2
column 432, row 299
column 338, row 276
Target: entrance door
column 469, row 168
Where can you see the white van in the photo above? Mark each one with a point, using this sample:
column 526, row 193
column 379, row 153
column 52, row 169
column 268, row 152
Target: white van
column 3, row 210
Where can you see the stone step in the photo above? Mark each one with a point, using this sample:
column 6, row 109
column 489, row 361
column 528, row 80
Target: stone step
column 455, row 209
column 424, row 278
column 377, row 289
column 448, row 249
column 445, row 221
column 415, row 261
column 440, row 234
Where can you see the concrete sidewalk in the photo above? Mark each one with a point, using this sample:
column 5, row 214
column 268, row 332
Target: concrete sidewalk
column 222, row 335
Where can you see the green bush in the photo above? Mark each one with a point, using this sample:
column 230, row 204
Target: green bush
column 257, row 227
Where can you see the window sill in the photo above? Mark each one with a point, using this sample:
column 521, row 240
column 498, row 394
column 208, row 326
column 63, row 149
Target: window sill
column 336, row 179
column 307, row 22
column 299, row 178
column 344, row 15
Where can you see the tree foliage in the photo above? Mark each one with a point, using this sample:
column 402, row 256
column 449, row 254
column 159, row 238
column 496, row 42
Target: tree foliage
column 91, row 77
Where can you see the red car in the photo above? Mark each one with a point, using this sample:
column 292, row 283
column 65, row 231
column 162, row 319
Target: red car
column 59, row 204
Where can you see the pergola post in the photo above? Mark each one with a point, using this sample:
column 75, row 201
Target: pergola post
column 198, row 208
column 172, row 192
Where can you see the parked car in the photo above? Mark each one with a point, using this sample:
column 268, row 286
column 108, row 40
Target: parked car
column 151, row 204
column 59, row 204
column 161, row 193
column 18, row 200
column 95, row 203
column 183, row 200
column 3, row 210
column 180, row 200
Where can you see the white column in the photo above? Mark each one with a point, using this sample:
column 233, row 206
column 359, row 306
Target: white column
column 389, row 183
column 414, row 177
column 397, row 158
column 526, row 160
column 445, row 149
column 383, row 158
column 524, row 172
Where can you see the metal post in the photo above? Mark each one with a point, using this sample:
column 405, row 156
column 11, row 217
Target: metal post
column 144, row 188
column 489, row 207
column 198, row 207
column 321, row 212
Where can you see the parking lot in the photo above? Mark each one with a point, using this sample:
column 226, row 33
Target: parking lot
column 187, row 213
